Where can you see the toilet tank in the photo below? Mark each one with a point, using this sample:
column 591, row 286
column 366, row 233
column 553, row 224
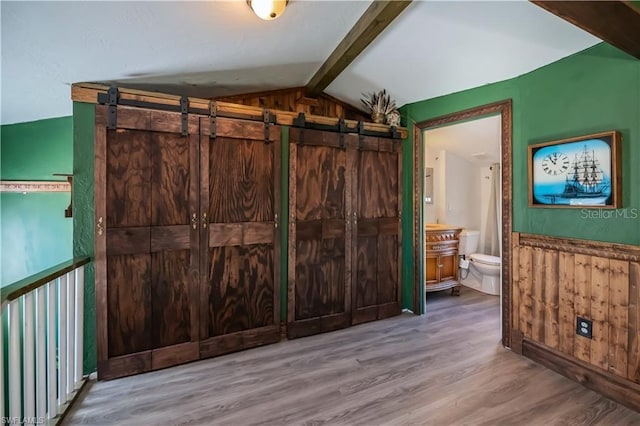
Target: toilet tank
column 468, row 242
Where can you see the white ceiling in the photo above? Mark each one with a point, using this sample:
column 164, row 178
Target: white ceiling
column 220, row 48
column 477, row 141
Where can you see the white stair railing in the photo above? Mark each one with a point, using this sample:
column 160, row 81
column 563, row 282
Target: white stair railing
column 44, row 315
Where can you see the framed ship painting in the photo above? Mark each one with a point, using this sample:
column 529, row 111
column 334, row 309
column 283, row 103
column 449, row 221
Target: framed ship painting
column 580, row 172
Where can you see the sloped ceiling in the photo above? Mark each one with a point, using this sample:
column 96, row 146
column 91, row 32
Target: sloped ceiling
column 437, row 48
column 220, row 48
column 477, row 141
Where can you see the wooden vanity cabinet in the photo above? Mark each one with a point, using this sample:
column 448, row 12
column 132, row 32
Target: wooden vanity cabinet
column 441, row 260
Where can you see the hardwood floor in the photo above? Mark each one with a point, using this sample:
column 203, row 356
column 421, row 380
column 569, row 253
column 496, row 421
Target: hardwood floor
column 445, row 368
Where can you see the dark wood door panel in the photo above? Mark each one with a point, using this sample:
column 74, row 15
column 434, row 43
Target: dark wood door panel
column 126, row 117
column 241, row 181
column 377, row 198
column 171, row 122
column 320, row 284
column 319, row 196
column 146, row 190
column 128, row 178
column 242, row 129
column 170, row 298
column 128, row 240
column 320, row 175
column 176, row 237
column 313, row 326
column 315, row 138
column 240, row 289
column 377, row 185
column 376, row 278
column 388, row 269
column 376, row 144
column 366, row 281
column 233, row 342
column 129, row 304
column 320, row 229
column 171, row 175
column 239, row 234
column 240, row 198
column 125, row 365
column 174, row 355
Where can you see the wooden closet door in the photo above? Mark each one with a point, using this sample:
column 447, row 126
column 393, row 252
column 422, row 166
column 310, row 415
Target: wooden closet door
column 240, row 199
column 319, row 240
column 146, row 177
column 377, row 230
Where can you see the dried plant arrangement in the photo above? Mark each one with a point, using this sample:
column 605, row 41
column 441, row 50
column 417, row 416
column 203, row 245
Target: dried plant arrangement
column 379, row 104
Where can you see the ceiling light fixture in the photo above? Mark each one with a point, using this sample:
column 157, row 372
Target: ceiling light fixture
column 268, row 9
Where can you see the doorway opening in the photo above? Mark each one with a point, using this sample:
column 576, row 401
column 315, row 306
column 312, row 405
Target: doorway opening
column 502, row 111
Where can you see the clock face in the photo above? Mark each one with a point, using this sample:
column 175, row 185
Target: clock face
column 555, row 163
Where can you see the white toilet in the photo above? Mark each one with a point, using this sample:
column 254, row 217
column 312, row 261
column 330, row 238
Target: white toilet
column 482, row 271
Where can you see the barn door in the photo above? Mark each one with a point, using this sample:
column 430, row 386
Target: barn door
column 319, row 209
column 240, row 201
column 146, row 177
column 376, row 230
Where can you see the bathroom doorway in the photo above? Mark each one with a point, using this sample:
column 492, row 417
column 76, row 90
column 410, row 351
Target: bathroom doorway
column 463, row 179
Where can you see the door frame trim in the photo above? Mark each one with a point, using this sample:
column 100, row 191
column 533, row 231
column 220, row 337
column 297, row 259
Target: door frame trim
column 504, row 109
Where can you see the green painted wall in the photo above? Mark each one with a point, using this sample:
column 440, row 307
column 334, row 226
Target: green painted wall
column 36, row 150
column 34, row 232
column 83, row 154
column 595, row 90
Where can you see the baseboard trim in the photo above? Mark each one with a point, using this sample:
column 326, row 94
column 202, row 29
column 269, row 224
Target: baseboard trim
column 618, row 389
column 64, row 409
column 516, row 341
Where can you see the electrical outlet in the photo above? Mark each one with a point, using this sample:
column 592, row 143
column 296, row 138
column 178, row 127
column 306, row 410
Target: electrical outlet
column 584, row 327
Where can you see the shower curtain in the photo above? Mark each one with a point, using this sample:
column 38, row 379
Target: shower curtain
column 493, row 229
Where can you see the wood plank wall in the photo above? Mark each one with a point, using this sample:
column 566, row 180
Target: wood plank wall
column 294, row 100
column 557, row 279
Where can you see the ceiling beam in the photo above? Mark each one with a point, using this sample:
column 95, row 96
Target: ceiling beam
column 374, row 20
column 616, row 22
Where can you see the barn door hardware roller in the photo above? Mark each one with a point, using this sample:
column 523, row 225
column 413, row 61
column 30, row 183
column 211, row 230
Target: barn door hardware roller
column 392, row 132
column 360, row 135
column 184, row 111
column 300, row 120
column 268, row 119
column 111, row 99
column 340, row 126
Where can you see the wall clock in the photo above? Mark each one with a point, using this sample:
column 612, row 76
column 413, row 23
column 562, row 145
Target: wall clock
column 555, row 163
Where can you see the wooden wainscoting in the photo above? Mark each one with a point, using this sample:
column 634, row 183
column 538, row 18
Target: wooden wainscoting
column 555, row 280
column 558, row 279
